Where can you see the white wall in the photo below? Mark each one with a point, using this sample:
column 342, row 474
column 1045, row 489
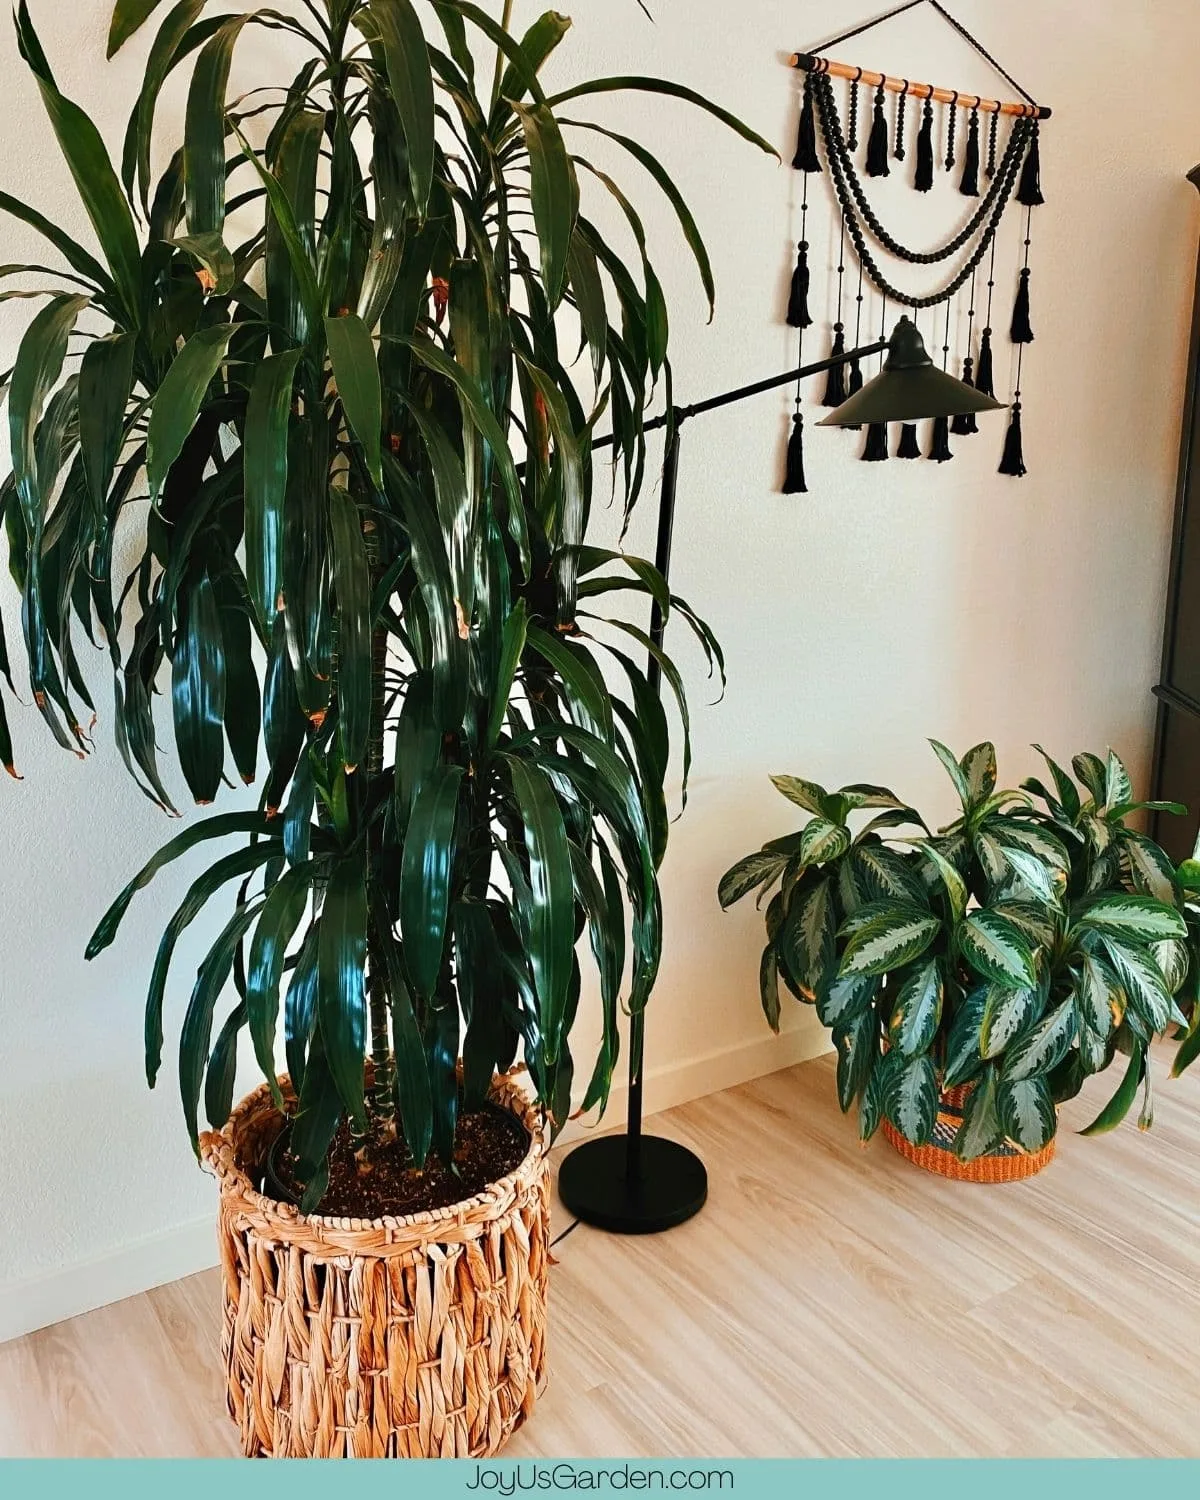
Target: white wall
column 891, row 603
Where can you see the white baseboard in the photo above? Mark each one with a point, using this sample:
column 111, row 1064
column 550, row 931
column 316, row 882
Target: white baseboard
column 66, row 1292
column 670, row 1084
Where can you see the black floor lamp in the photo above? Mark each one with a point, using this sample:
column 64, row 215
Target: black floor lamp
column 634, row 1183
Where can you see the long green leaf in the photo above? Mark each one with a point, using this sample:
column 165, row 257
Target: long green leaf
column 196, row 1035
column 341, row 967
column 198, row 692
column 1122, row 1101
column 666, row 89
column 552, row 917
column 683, row 213
column 230, row 867
column 223, row 825
column 425, row 876
column 411, row 79
column 352, row 582
column 205, row 130
column 281, row 916
column 356, row 371
column 554, row 191
column 128, row 17
column 266, row 471
column 105, row 384
column 86, row 156
column 178, row 400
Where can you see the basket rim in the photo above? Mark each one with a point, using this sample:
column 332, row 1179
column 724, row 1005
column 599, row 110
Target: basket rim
column 221, row 1155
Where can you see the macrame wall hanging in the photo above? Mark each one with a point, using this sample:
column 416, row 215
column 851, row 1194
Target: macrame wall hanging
column 984, row 149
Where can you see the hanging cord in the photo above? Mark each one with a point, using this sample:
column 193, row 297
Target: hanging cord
column 835, row 381
column 939, row 447
column 901, row 111
column 835, row 144
column 794, row 482
column 1021, row 332
column 875, row 450
column 993, row 132
column 852, row 130
column 1012, row 460
column 951, row 126
column 965, row 424
column 899, row 10
column 833, row 128
column 984, row 380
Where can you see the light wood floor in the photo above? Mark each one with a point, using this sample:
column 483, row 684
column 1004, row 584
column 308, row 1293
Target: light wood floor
column 829, row 1301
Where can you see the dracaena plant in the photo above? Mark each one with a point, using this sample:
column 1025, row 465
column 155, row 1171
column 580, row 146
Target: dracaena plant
column 1017, row 950
column 296, row 386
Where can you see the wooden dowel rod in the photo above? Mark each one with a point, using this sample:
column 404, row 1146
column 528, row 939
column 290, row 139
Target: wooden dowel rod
column 809, row 62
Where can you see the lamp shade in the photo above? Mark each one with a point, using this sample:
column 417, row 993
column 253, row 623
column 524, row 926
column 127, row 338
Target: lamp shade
column 909, row 387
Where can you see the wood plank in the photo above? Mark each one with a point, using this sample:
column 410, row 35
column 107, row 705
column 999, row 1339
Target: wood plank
column 830, row 1301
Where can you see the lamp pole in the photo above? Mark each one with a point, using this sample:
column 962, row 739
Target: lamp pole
column 634, row 1183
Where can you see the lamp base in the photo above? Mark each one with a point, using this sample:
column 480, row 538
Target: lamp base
column 670, row 1188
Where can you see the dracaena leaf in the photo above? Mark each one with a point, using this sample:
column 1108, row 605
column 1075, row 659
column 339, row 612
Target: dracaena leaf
column 352, row 583
column 425, row 875
column 178, row 399
column 198, row 691
column 407, row 57
column 356, row 371
column 266, row 472
column 552, row 893
column 341, row 968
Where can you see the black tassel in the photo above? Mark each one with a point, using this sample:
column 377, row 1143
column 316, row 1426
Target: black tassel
column 1021, row 332
column 1029, row 190
column 901, row 112
column 854, row 384
column 939, row 449
column 909, row 447
column 877, row 141
column 965, row 424
column 923, row 181
column 793, row 482
column 983, row 375
column 806, row 158
column 876, row 450
column 798, row 314
column 969, row 186
column 1013, row 461
column 835, row 383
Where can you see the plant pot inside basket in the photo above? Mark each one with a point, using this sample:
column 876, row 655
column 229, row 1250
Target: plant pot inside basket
column 490, row 1143
column 1007, row 1163
column 416, row 1336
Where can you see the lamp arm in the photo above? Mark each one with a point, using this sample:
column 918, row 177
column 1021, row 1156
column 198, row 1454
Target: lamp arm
column 728, row 398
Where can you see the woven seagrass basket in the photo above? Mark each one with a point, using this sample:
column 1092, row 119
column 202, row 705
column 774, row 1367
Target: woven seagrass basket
column 1008, row 1163
column 415, row 1337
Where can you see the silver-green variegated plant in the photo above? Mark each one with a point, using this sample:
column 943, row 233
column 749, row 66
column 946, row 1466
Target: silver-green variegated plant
column 297, row 382
column 1017, row 950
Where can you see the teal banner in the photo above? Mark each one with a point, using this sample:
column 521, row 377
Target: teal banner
column 808, row 1479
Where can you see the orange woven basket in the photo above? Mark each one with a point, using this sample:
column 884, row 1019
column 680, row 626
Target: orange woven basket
column 414, row 1337
column 1007, row 1164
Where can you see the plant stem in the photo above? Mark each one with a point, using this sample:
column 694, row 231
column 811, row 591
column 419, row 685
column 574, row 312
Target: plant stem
column 381, row 1102
column 505, row 21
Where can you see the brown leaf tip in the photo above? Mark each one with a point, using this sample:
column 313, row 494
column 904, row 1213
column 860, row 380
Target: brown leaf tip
column 13, row 772
column 208, row 282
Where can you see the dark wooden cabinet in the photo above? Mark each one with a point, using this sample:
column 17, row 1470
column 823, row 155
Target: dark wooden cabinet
column 1177, row 734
